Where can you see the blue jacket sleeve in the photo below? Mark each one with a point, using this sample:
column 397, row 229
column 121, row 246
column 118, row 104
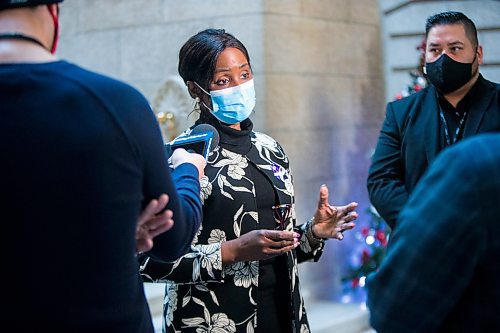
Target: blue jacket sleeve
column 187, row 218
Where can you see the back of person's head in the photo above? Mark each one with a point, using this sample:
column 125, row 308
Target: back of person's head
column 27, row 23
column 11, row 4
column 450, row 17
column 198, row 56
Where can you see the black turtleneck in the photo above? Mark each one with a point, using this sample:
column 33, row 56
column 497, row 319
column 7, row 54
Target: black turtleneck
column 236, row 141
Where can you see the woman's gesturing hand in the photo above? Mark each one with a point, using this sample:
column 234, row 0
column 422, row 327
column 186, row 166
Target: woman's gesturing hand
column 259, row 245
column 331, row 221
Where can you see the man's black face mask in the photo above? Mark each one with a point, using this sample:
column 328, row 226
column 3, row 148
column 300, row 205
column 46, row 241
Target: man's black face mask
column 448, row 75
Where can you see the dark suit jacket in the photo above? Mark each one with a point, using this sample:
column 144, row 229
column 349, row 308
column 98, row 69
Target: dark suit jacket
column 441, row 270
column 410, row 140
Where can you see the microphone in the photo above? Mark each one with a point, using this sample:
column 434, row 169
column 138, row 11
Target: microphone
column 202, row 140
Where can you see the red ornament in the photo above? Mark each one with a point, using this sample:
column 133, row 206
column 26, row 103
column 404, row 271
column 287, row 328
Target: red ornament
column 417, row 87
column 365, row 231
column 381, row 237
column 355, row 282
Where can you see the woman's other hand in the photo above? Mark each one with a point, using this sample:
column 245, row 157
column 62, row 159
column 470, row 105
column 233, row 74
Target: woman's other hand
column 259, row 245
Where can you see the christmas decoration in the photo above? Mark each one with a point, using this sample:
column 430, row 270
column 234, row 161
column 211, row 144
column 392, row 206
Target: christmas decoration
column 367, row 255
column 418, row 81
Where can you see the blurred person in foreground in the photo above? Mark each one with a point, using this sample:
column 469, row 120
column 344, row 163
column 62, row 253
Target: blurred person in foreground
column 441, row 270
column 458, row 103
column 82, row 156
column 241, row 274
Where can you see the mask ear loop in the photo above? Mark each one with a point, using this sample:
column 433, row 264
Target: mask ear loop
column 55, row 19
column 206, row 92
column 203, row 103
column 475, row 54
column 473, row 60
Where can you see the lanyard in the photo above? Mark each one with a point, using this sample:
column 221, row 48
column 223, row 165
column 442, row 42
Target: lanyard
column 457, row 131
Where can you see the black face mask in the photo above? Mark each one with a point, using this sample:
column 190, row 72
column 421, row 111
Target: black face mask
column 448, row 75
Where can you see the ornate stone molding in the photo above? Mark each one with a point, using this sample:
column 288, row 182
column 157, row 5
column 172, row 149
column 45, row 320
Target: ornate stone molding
column 173, row 107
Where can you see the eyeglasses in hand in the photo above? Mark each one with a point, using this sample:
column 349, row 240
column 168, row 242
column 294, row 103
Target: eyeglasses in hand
column 281, row 214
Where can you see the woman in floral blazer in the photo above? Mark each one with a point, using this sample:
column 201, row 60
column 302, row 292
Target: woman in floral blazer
column 241, row 272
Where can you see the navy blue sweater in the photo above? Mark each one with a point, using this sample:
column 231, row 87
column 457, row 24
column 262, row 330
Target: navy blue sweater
column 81, row 155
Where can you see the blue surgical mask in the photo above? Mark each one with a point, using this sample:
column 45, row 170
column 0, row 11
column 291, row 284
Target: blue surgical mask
column 232, row 105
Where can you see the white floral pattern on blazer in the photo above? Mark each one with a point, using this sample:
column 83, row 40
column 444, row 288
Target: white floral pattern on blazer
column 203, row 296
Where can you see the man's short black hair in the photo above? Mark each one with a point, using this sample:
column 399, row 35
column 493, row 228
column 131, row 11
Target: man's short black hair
column 447, row 18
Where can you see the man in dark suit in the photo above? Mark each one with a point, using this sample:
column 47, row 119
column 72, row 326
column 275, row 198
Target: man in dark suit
column 459, row 103
column 443, row 262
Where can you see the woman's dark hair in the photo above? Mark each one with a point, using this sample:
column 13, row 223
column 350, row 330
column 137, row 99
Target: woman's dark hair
column 198, row 56
column 447, row 18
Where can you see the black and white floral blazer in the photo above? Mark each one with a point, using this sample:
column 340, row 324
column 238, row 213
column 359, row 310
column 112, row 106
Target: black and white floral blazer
column 202, row 295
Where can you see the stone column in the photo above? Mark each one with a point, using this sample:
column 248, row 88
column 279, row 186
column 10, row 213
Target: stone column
column 324, row 104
